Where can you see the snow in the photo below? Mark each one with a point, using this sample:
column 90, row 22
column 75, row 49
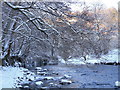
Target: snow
column 117, row 83
column 67, row 76
column 39, row 83
column 112, row 56
column 6, row 45
column 93, row 61
column 61, row 60
column 65, row 81
column 48, row 78
column 38, row 68
column 75, row 61
column 9, row 76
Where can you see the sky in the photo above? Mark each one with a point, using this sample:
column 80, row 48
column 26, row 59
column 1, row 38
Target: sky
column 110, row 3
column 107, row 3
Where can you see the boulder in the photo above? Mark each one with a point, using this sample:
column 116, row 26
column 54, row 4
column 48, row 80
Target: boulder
column 117, row 84
column 48, row 78
column 65, row 81
column 39, row 83
column 66, row 77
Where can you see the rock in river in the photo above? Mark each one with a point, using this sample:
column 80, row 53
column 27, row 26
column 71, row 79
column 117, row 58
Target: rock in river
column 65, row 81
column 39, row 83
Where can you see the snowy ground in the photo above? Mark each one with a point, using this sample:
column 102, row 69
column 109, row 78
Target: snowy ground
column 9, row 76
column 112, row 56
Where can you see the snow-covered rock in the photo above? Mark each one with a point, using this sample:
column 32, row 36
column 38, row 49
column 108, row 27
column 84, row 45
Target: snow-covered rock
column 51, row 84
column 38, row 68
column 25, row 83
column 39, row 83
column 66, row 77
column 44, row 88
column 48, row 78
column 26, row 87
column 65, row 81
column 117, row 84
column 55, row 73
column 42, row 73
column 31, row 77
column 45, row 70
column 61, row 60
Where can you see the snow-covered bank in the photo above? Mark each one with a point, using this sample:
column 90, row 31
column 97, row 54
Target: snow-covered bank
column 18, row 77
column 9, row 76
column 111, row 57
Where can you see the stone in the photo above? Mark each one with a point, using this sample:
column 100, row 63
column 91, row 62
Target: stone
column 65, row 81
column 55, row 73
column 44, row 88
column 39, row 83
column 26, row 87
column 38, row 68
column 25, row 83
column 48, row 78
column 41, row 73
column 51, row 84
column 66, row 77
column 117, row 84
column 45, row 70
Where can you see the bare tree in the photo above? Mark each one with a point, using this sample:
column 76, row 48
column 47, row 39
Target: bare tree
column 35, row 29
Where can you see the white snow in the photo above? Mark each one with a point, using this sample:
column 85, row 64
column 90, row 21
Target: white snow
column 48, row 78
column 39, row 83
column 117, row 83
column 65, row 81
column 67, row 76
column 38, row 68
column 9, row 76
column 6, row 45
column 62, row 60
column 112, row 56
column 93, row 60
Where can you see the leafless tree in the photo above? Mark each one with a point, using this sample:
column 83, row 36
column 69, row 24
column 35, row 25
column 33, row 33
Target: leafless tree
column 35, row 29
